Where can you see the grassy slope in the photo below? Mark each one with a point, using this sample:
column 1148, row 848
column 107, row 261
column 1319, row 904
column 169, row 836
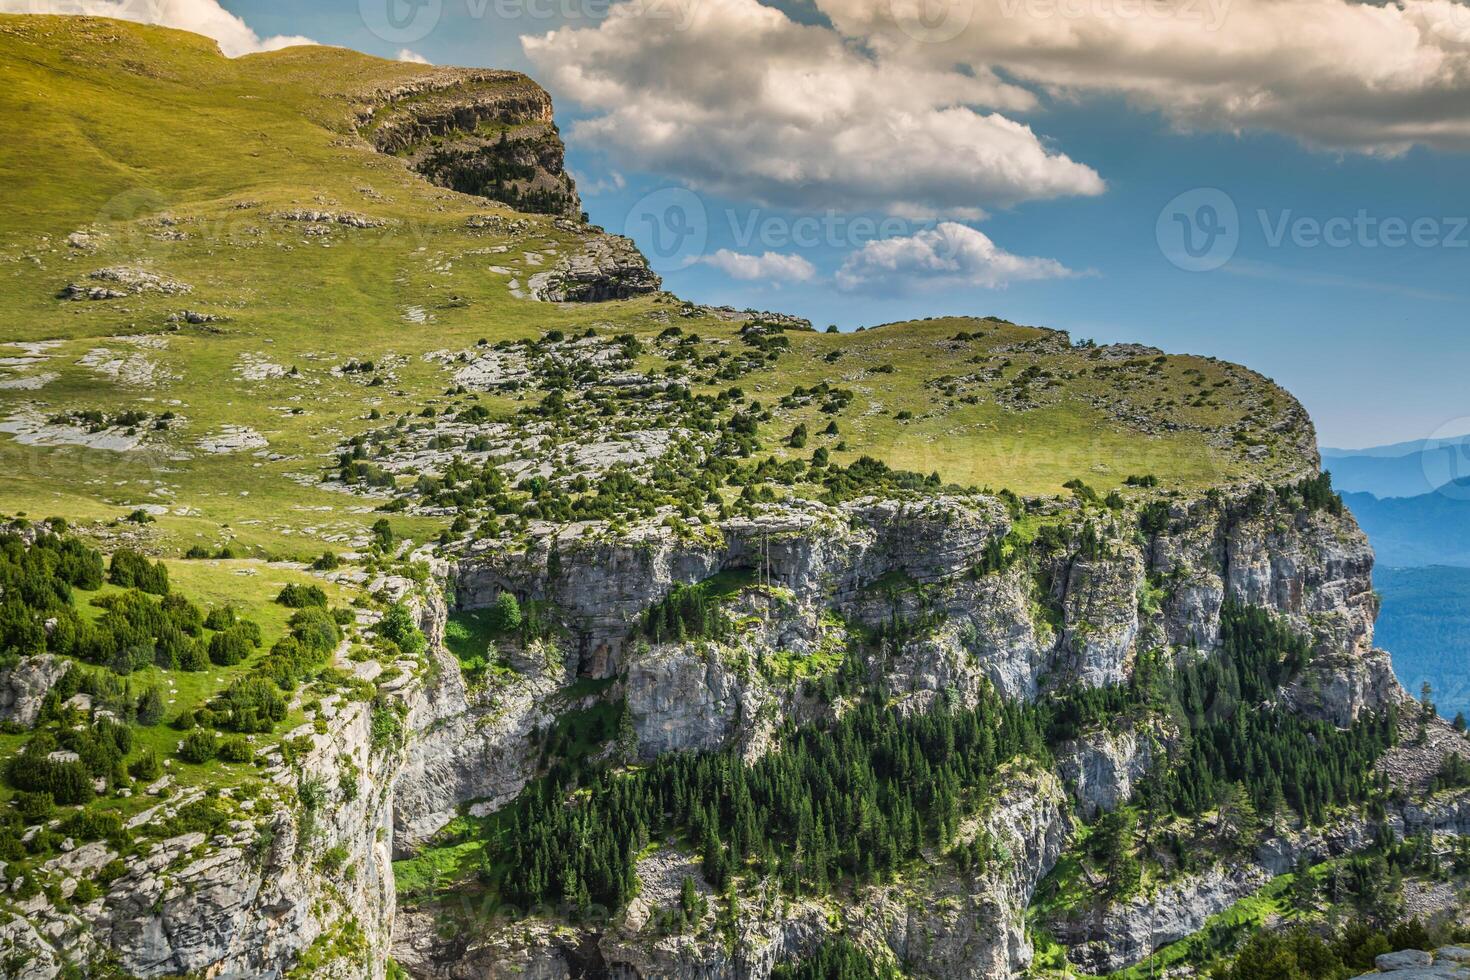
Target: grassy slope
column 124, row 124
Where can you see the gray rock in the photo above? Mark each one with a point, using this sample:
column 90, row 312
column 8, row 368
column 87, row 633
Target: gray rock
column 23, row 687
column 608, row 267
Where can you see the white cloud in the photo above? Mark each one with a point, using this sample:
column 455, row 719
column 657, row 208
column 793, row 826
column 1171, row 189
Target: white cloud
column 949, row 254
column 412, row 56
column 205, row 17
column 740, row 99
column 1340, row 74
column 771, row 266
column 587, row 187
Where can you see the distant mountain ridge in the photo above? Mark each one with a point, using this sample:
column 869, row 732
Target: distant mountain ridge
column 1402, row 469
column 1430, row 529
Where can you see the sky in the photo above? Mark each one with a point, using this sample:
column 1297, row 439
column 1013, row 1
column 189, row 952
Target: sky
column 1280, row 183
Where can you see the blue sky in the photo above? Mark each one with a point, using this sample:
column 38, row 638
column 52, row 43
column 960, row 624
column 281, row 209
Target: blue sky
column 1369, row 333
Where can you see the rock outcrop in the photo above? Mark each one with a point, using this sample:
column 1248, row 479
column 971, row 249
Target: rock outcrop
column 607, row 267
column 483, row 132
column 23, row 687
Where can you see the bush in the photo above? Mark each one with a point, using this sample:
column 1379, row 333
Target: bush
column 69, row 783
column 35, row 807
column 195, row 657
column 146, row 768
column 199, row 746
column 327, row 562
column 251, row 704
column 150, row 707
column 236, row 749
column 230, row 647
column 220, row 618
column 92, row 825
column 398, row 625
column 316, row 630
column 130, row 570
column 296, row 596
column 505, row 615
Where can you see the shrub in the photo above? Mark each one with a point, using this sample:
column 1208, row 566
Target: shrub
column 130, row 570
column 195, row 657
column 398, row 625
column 150, row 707
column 92, row 825
column 220, row 618
column 327, row 562
column 199, row 746
column 296, row 596
column 35, row 807
column 316, row 630
column 505, row 615
column 229, row 648
column 236, row 749
column 146, row 767
column 69, row 782
column 251, row 704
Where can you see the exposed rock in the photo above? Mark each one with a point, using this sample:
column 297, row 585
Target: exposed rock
column 1105, row 937
column 1101, row 768
column 483, row 132
column 233, row 439
column 120, row 281
column 23, row 687
column 347, row 218
column 607, row 267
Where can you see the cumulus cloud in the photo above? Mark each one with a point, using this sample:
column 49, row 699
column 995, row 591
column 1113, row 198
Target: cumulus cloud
column 205, row 17
column 740, row 99
column 414, row 57
column 949, row 254
column 771, row 266
column 1338, row 74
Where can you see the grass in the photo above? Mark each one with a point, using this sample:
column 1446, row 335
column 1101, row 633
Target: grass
column 151, row 123
column 251, row 587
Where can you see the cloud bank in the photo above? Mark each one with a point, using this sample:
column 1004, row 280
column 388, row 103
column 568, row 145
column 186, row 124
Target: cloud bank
column 739, row 99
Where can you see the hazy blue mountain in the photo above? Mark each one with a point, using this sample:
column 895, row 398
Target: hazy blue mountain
column 1402, row 469
column 1425, row 624
column 1430, row 529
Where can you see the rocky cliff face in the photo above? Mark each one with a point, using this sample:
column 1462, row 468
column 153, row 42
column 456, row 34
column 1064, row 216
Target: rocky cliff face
column 1082, row 620
column 253, row 895
column 263, row 882
column 482, row 132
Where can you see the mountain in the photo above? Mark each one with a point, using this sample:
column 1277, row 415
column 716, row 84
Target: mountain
column 1426, row 622
column 395, row 580
column 1430, row 529
column 1405, row 469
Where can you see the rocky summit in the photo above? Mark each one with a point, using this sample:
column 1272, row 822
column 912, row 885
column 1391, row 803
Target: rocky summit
column 395, row 580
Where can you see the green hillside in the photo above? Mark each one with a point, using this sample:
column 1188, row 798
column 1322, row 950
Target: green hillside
column 148, row 151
